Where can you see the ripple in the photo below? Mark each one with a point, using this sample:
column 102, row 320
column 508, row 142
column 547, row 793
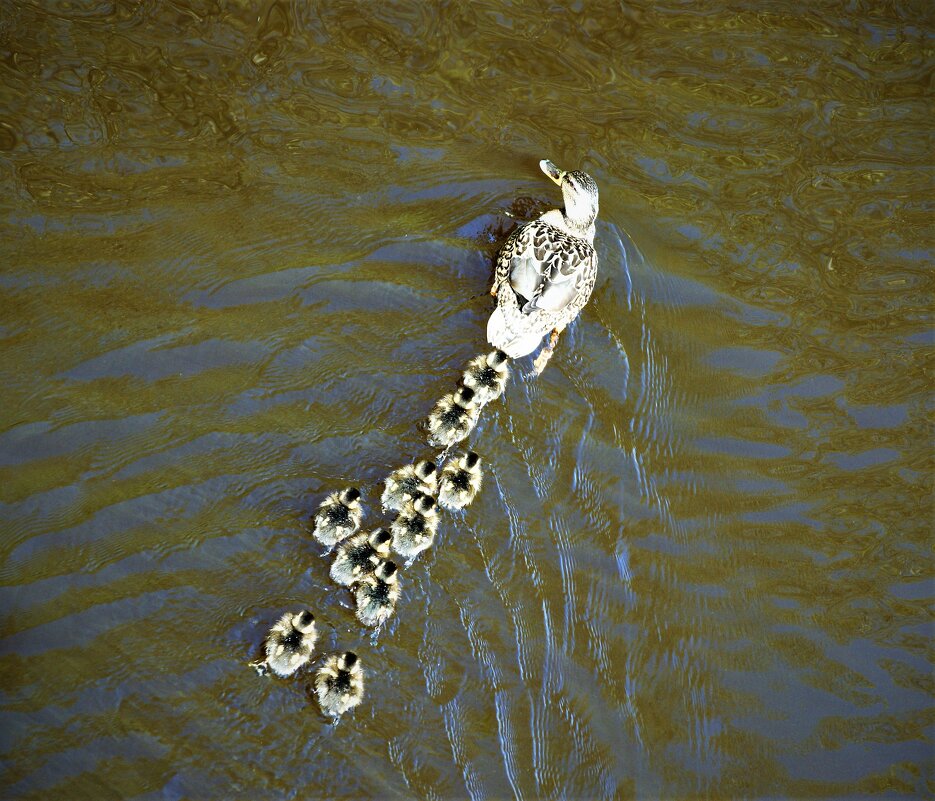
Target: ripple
column 246, row 252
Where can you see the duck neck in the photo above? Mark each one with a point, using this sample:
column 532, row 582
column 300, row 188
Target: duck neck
column 583, row 229
column 579, row 229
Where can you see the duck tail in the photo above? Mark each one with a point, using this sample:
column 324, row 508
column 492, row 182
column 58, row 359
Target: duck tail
column 500, row 335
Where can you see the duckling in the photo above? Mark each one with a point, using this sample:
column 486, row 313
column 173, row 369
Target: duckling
column 338, row 517
column 460, row 481
column 377, row 594
column 415, row 526
column 403, row 484
column 289, row 644
column 339, row 684
column 487, row 376
column 359, row 555
column 453, row 418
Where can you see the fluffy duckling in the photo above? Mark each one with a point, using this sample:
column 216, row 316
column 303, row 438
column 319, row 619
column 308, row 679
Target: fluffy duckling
column 415, row 526
column 487, row 376
column 403, row 484
column 289, row 644
column 339, row 684
column 453, row 418
column 359, row 555
column 460, row 481
column 377, row 594
column 338, row 517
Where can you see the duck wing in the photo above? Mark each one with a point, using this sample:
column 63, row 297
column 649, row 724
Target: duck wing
column 546, row 266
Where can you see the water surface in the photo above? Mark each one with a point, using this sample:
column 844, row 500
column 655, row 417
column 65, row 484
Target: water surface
column 246, row 248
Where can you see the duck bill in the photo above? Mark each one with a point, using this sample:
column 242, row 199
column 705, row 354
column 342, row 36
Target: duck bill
column 552, row 171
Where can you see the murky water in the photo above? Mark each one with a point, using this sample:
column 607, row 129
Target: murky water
column 244, row 251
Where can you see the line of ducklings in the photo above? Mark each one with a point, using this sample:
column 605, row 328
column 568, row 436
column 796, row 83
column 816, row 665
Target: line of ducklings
column 456, row 414
column 338, row 683
column 362, row 559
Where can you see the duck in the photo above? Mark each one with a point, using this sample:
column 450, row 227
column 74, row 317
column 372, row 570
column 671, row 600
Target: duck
column 377, row 594
column 359, row 555
column 487, row 375
column 460, row 481
column 289, row 644
column 546, row 270
column 453, row 418
column 338, row 517
column 404, row 483
column 339, row 684
column 415, row 527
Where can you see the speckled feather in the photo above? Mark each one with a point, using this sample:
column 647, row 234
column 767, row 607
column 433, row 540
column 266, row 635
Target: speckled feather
column 556, row 270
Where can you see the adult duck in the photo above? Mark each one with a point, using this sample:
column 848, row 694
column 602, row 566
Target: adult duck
column 546, row 270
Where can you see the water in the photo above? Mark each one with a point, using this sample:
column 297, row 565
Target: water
column 246, row 250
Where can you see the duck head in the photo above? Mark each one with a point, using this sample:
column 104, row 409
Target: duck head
column 380, row 539
column 304, row 621
column 464, row 397
column 348, row 661
column 425, row 469
column 496, row 357
column 350, row 496
column 580, row 194
column 423, row 503
column 387, row 571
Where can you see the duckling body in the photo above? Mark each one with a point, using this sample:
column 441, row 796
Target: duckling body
column 358, row 555
column 403, row 484
column 546, row 270
column 487, row 376
column 460, row 482
column 289, row 644
column 377, row 594
column 415, row 527
column 453, row 418
column 339, row 684
column 338, row 517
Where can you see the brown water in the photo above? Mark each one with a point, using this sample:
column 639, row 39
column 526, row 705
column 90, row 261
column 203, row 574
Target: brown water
column 245, row 251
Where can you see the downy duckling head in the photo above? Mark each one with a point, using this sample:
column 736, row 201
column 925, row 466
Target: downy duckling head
column 304, row 621
column 496, row 358
column 471, row 460
column 350, row 496
column 425, row 469
column 348, row 661
column 464, row 397
column 380, row 540
column 423, row 503
column 387, row 571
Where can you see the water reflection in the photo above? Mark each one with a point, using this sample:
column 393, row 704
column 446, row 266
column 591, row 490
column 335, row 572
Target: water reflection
column 246, row 250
